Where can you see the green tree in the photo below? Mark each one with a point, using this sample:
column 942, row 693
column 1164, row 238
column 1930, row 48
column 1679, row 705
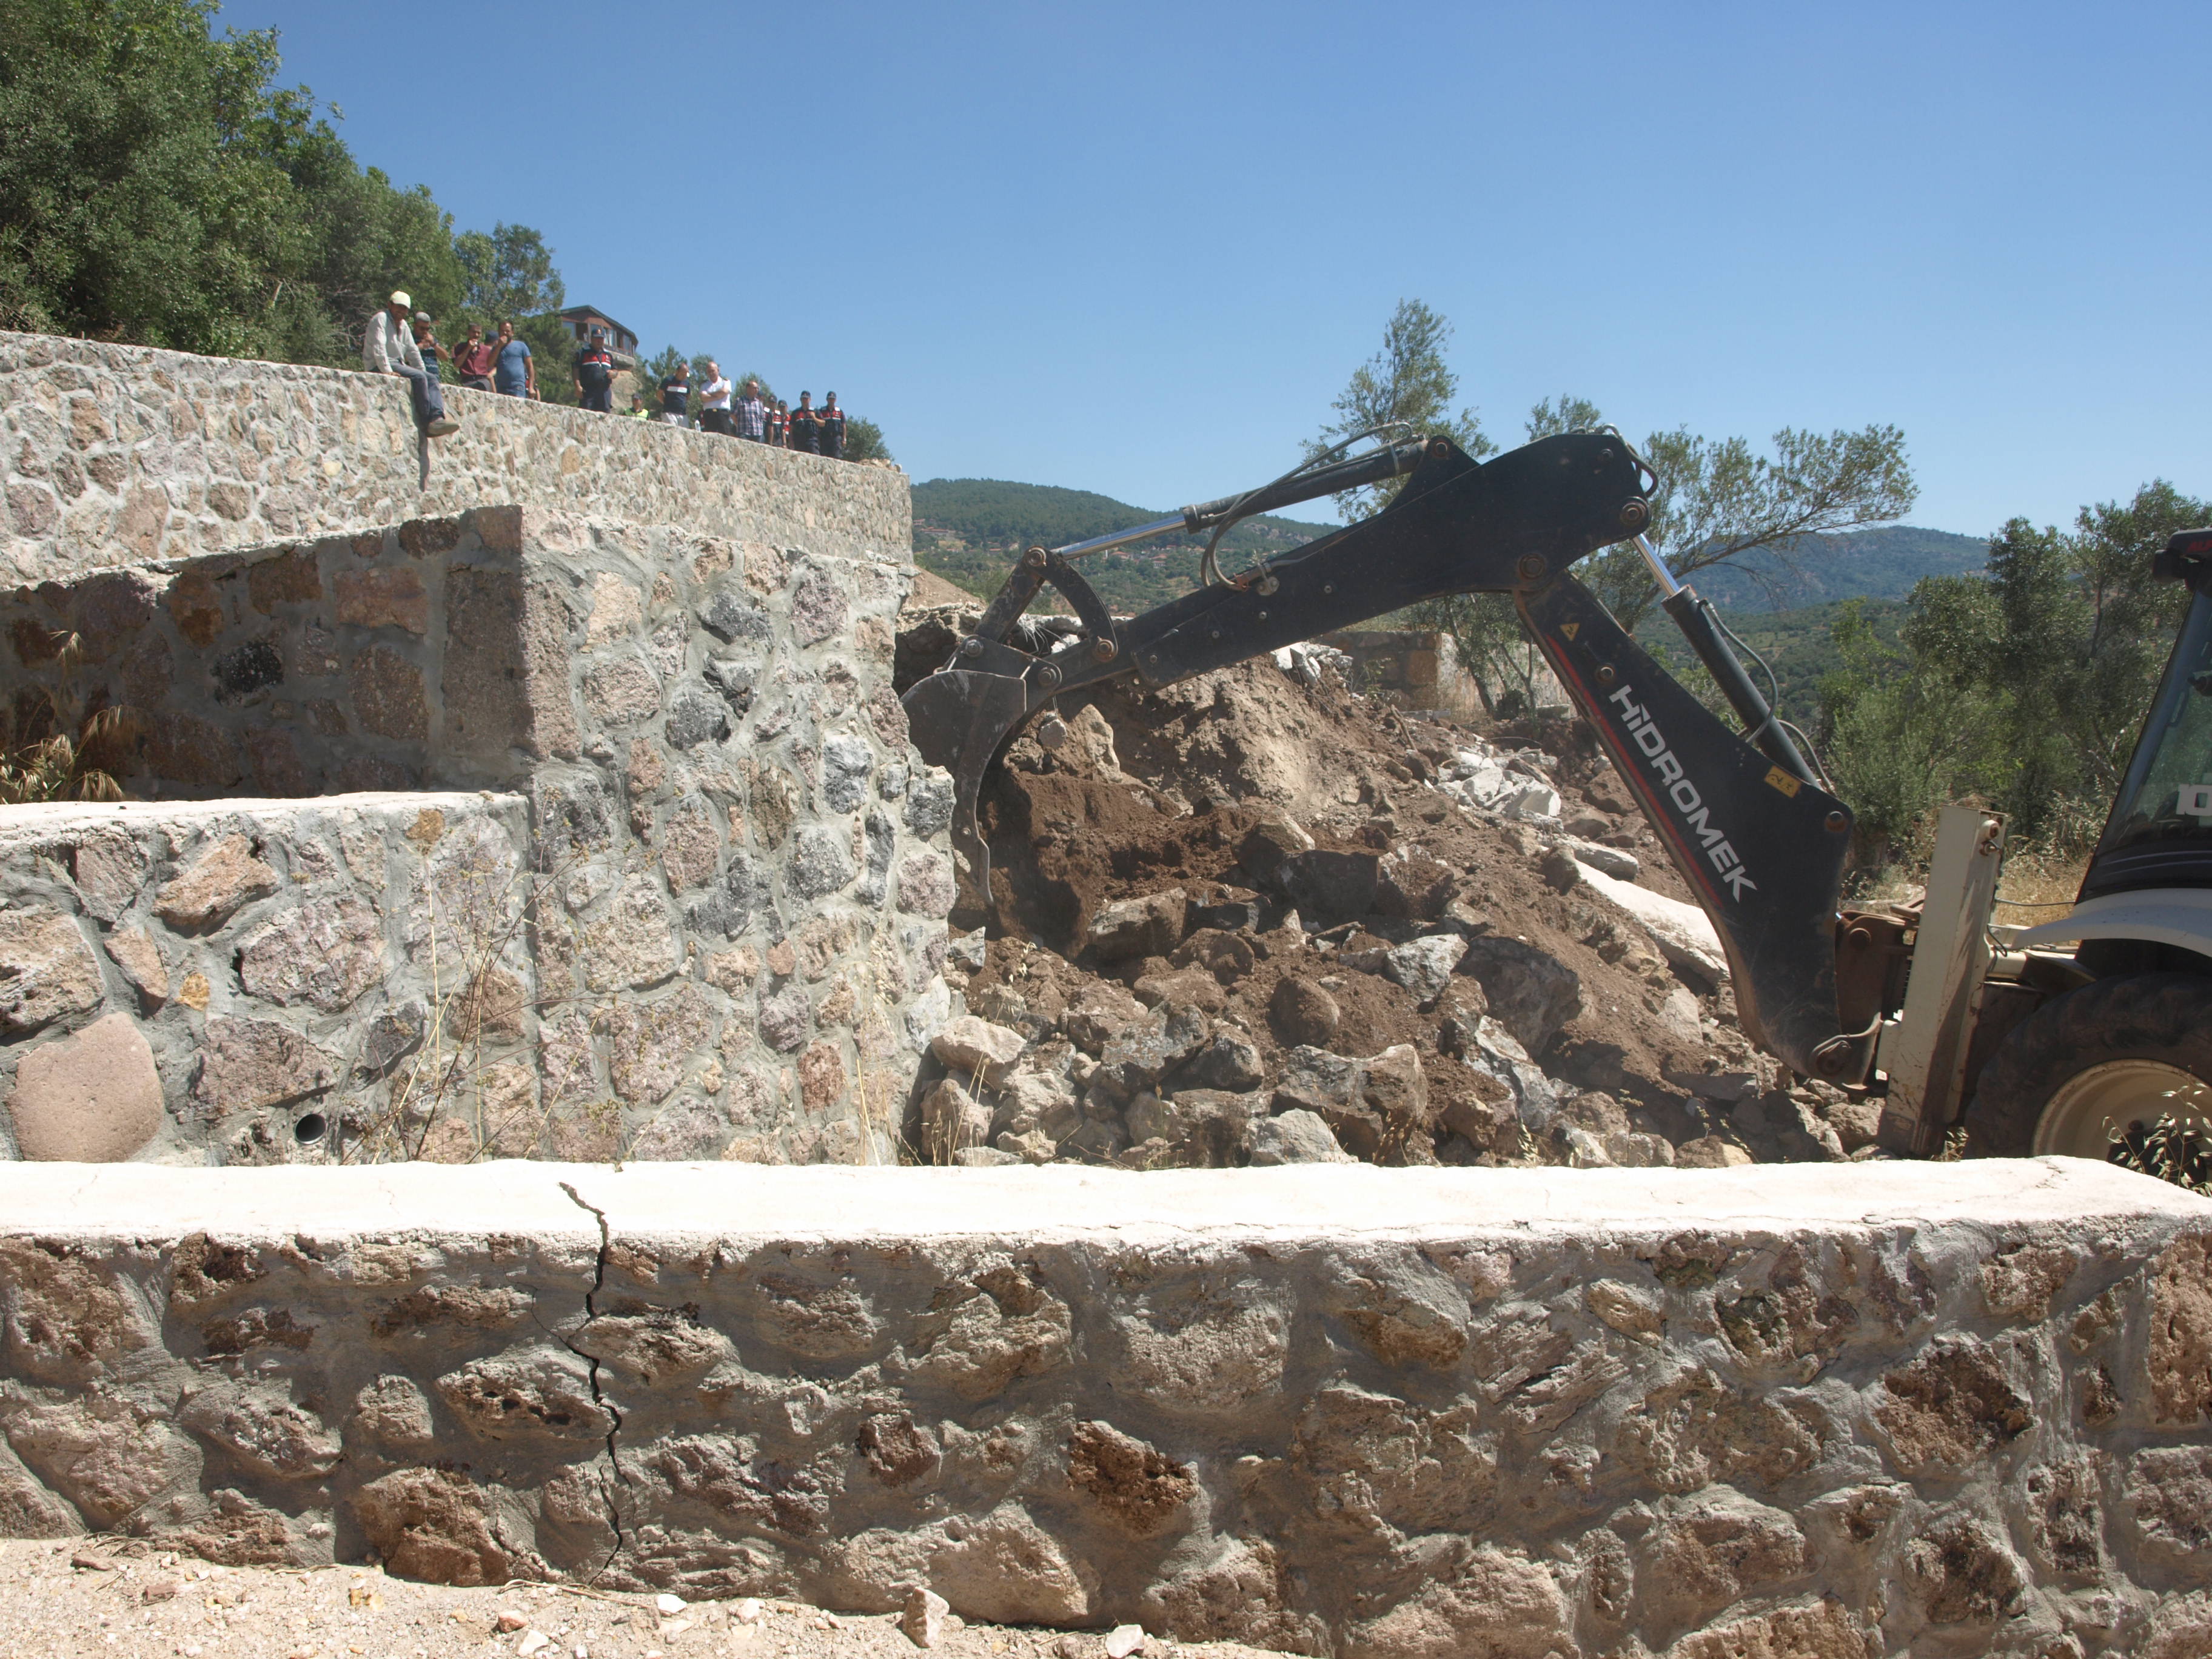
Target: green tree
column 1715, row 502
column 507, row 273
column 1407, row 389
column 160, row 188
column 2026, row 686
column 139, row 199
column 1897, row 741
column 1718, row 500
column 864, row 440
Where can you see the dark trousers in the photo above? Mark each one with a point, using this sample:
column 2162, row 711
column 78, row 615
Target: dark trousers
column 430, row 405
column 716, row 420
column 601, row 397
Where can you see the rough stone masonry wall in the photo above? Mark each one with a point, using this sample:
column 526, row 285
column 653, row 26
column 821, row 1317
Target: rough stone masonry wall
column 722, row 937
column 720, row 931
column 1831, row 1412
column 113, row 455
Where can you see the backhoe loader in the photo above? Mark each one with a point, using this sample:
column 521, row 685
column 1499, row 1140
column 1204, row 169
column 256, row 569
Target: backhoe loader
column 2049, row 1039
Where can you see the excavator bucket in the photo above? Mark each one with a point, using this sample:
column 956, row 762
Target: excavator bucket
column 959, row 718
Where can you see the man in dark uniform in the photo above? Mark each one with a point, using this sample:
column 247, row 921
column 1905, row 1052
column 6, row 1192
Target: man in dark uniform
column 831, row 426
column 595, row 375
column 805, row 423
column 676, row 396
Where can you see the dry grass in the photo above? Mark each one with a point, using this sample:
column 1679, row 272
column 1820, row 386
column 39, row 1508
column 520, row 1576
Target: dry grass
column 2039, row 884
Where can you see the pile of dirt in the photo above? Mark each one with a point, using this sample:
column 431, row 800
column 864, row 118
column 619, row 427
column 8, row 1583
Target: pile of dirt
column 1256, row 917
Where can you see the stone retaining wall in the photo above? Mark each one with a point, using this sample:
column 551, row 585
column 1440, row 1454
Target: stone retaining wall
column 697, row 909
column 113, row 455
column 1928, row 1409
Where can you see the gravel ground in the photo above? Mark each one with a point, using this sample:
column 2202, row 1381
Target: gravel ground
column 122, row 1604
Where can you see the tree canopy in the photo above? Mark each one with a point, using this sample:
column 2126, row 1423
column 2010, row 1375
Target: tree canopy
column 161, row 188
column 1405, row 390
column 2026, row 686
column 1716, row 500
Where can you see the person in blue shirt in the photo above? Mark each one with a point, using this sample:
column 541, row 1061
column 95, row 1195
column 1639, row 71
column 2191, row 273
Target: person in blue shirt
column 512, row 373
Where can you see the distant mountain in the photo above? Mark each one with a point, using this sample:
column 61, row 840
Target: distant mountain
column 1881, row 563
column 969, row 531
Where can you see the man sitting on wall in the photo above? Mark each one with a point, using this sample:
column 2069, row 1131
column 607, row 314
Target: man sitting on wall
column 389, row 348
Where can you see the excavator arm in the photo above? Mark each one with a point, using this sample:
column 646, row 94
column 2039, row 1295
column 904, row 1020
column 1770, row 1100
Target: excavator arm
column 1756, row 838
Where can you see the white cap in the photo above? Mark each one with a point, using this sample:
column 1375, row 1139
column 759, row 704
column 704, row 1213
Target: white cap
column 400, row 299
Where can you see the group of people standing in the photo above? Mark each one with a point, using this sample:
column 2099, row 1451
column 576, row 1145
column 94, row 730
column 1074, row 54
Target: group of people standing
column 402, row 341
column 745, row 414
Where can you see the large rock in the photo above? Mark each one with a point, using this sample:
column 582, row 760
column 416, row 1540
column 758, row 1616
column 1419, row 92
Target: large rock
column 1101, row 1009
column 91, row 1098
column 434, row 1524
column 650, row 1044
column 1150, row 926
column 247, row 1064
column 133, row 951
column 1329, row 887
column 1378, row 1108
column 219, row 880
column 1423, row 966
column 1303, row 1012
column 1413, row 884
column 1295, row 1136
column 976, row 1048
column 1271, row 843
column 952, row 1121
column 1229, row 1060
column 47, row 971
column 1684, row 933
column 1531, row 992
column 326, row 953
column 1141, row 1055
column 107, row 870
column 634, row 944
column 1496, row 1604
column 1207, row 1126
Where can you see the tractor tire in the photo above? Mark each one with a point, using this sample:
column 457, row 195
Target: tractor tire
column 2124, row 1050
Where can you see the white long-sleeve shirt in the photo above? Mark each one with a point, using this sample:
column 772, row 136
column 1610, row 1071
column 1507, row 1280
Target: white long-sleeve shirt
column 389, row 345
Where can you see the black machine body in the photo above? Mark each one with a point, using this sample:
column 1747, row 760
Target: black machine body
column 1759, row 842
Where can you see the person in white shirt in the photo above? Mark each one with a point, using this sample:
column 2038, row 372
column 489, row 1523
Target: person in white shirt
column 715, row 401
column 389, row 348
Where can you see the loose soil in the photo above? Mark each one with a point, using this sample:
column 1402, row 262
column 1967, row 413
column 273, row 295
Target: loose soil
column 50, row 1609
column 1193, row 766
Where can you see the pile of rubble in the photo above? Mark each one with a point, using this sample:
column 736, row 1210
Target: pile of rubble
column 1256, row 919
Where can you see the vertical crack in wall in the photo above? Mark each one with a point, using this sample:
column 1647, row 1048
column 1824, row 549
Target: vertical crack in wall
column 615, row 1476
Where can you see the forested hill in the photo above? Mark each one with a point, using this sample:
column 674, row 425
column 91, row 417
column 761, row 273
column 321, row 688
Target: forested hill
column 1859, row 564
column 969, row 531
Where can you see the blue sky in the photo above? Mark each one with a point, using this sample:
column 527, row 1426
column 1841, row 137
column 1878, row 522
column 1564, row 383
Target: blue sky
column 1139, row 248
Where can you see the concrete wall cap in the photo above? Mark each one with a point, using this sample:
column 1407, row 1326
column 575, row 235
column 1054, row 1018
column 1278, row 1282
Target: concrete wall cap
column 1289, row 1203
